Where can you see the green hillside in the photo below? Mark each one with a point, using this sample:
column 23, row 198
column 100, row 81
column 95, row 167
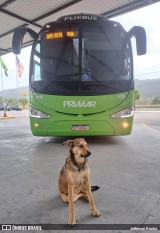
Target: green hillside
column 148, row 87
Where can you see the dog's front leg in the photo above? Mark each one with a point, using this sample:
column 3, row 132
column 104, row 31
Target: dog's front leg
column 94, row 210
column 72, row 218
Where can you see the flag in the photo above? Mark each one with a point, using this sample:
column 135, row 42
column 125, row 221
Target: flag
column 3, row 66
column 19, row 67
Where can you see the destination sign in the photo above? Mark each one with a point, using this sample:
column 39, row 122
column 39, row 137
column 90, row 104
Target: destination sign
column 60, row 34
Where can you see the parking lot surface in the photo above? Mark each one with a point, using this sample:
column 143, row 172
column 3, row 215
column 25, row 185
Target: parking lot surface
column 126, row 168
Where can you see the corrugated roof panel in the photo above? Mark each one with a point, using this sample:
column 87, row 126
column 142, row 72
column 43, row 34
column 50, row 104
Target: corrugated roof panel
column 16, row 13
column 2, row 1
column 102, row 6
column 84, row 6
column 7, row 23
column 6, row 41
column 87, row 6
column 118, row 3
column 33, row 9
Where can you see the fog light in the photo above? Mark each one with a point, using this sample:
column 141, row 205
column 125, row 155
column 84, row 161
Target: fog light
column 125, row 125
column 36, row 125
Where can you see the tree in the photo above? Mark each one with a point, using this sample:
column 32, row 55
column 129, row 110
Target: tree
column 137, row 95
column 12, row 101
column 156, row 100
column 1, row 101
column 23, row 102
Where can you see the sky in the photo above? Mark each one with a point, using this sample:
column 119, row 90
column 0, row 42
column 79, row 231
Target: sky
column 145, row 67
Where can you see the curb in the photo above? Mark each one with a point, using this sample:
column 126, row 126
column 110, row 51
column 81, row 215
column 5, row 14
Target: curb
column 6, row 118
column 146, row 111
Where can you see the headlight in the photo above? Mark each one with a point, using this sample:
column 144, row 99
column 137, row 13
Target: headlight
column 127, row 112
column 33, row 112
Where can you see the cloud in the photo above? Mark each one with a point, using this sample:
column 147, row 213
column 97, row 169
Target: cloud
column 149, row 18
column 147, row 63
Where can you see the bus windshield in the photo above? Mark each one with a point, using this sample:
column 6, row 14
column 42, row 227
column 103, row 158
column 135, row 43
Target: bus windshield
column 82, row 60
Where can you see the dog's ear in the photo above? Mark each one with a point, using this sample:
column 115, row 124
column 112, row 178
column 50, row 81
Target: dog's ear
column 69, row 143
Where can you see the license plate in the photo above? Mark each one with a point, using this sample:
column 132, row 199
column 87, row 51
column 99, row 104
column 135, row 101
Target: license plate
column 80, row 127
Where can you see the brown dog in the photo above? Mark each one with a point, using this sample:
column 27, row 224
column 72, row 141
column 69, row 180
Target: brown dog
column 74, row 179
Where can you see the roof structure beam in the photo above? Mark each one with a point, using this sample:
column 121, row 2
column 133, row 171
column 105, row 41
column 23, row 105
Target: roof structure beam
column 57, row 10
column 121, row 7
column 10, row 31
column 26, row 44
column 32, row 22
column 7, row 3
column 20, row 18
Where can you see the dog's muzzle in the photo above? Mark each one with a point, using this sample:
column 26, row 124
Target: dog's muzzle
column 86, row 155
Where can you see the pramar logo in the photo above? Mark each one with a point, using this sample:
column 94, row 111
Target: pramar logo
column 79, row 104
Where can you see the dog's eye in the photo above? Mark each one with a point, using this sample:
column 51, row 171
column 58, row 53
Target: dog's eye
column 81, row 146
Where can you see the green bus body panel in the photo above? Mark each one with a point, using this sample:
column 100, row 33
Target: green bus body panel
column 93, row 111
column 81, row 104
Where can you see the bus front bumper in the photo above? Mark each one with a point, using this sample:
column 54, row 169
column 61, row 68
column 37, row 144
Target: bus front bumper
column 45, row 127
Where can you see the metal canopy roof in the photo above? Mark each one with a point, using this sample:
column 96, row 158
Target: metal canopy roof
column 35, row 13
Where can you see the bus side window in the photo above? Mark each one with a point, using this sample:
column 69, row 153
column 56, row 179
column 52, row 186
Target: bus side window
column 37, row 73
column 127, row 63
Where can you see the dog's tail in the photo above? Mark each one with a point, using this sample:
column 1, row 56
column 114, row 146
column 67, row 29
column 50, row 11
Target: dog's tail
column 83, row 193
column 93, row 188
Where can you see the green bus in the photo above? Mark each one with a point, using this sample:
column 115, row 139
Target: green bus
column 81, row 76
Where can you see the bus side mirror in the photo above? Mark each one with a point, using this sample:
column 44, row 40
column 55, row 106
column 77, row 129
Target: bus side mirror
column 18, row 36
column 140, row 36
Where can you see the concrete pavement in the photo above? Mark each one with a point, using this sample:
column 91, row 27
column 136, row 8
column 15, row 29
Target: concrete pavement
column 126, row 168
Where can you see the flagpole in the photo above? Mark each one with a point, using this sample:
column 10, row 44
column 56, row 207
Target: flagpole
column 5, row 70
column 19, row 71
column 4, row 104
column 17, row 77
column 20, row 87
column 2, row 86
